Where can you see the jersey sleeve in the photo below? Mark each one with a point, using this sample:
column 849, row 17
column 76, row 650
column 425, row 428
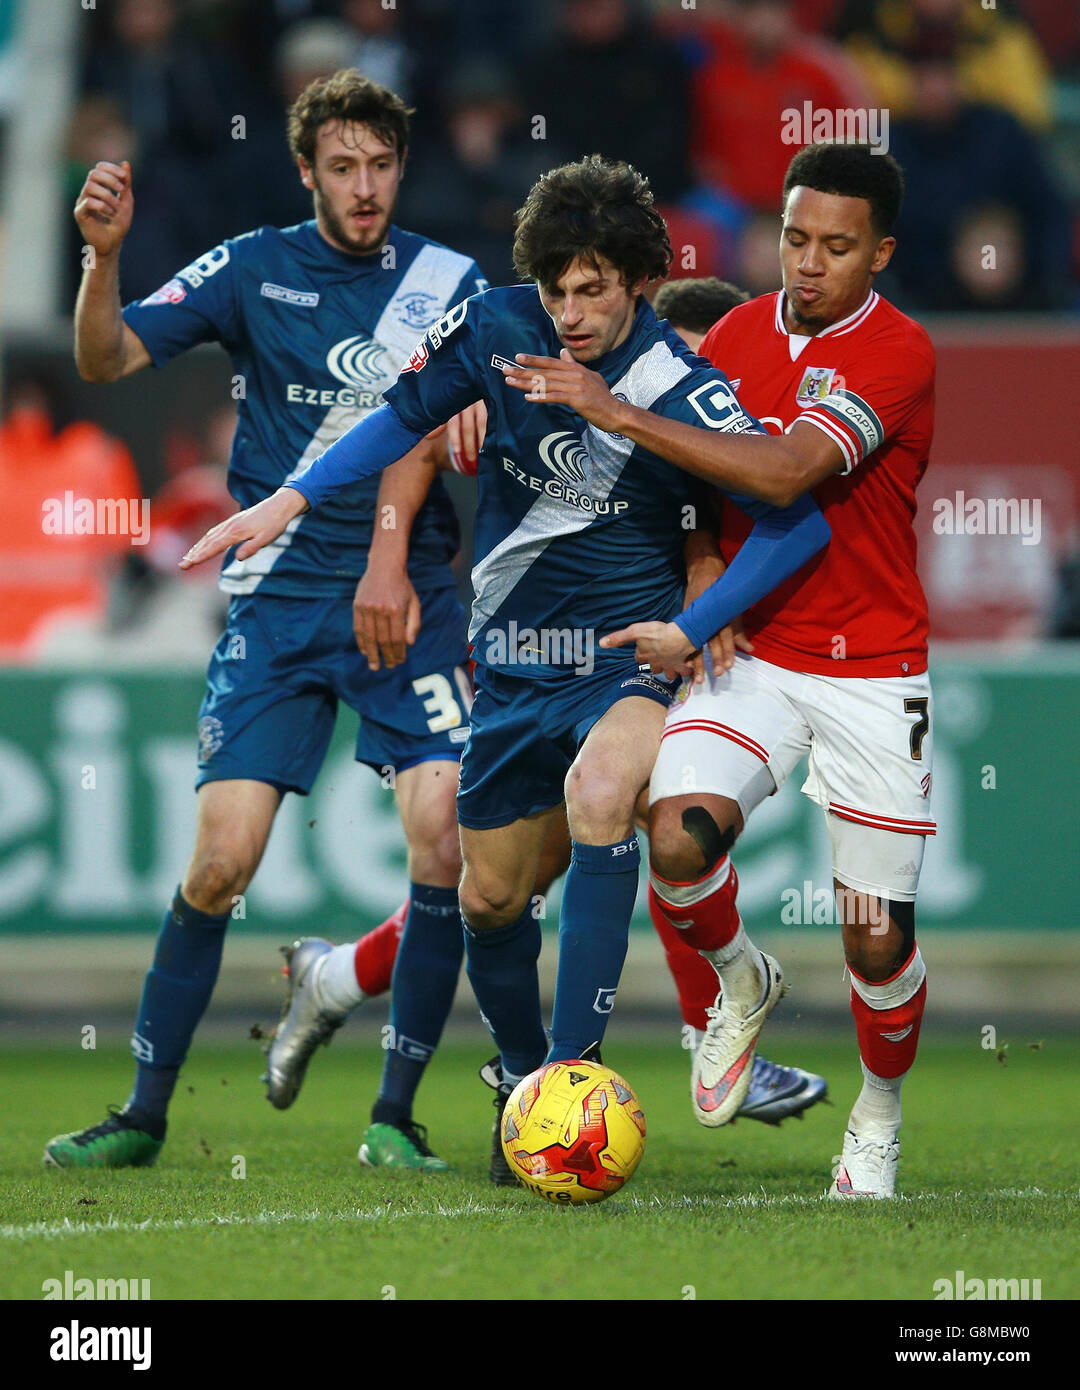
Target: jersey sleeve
column 871, row 402
column 198, row 305
column 442, row 376
column 705, row 398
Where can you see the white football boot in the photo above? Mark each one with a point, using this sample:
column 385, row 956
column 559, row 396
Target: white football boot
column 867, row 1168
column 723, row 1061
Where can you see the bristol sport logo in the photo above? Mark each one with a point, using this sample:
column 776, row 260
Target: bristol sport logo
column 357, row 361
column 565, row 455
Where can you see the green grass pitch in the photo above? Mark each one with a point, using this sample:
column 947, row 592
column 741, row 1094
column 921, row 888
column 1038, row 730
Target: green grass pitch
column 988, row 1171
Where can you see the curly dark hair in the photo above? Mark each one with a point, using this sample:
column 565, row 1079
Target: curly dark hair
column 596, row 207
column 696, row 304
column 851, row 171
column 347, row 96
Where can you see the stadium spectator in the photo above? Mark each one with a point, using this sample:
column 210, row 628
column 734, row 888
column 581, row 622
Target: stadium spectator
column 379, row 51
column 759, row 65
column 983, row 225
column 174, row 93
column 72, row 509
column 466, row 180
column 309, row 49
column 178, row 100
column 173, row 228
column 999, row 61
column 609, row 82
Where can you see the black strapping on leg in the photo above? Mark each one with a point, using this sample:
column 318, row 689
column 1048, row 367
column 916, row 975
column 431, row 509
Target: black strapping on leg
column 903, row 916
column 713, row 842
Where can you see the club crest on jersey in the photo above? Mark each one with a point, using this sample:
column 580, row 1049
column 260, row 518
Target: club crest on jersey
column 419, row 310
column 357, row 361
column 565, row 455
column 815, row 385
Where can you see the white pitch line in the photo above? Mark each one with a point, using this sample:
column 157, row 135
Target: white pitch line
column 60, row 1230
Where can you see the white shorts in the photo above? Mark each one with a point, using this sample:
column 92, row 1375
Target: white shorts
column 870, row 745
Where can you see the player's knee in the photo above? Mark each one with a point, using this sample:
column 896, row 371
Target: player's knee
column 435, row 855
column 214, row 880
column 490, row 904
column 597, row 805
column 674, row 853
column 874, row 957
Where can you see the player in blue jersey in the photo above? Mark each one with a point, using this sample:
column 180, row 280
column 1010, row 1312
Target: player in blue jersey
column 577, row 531
column 317, row 320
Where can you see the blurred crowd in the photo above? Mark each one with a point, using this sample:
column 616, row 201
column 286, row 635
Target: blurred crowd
column 707, row 97
column 983, row 103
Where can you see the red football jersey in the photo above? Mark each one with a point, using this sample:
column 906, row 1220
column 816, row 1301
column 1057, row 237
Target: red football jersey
column 858, row 608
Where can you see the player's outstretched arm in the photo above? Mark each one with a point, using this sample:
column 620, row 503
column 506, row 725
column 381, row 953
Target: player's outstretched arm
column 250, row 529
column 774, row 469
column 105, row 347
column 372, row 444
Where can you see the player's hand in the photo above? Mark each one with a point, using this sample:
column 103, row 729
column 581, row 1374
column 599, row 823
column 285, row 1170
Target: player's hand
column 105, row 206
column 661, row 646
column 386, row 615
column 254, row 528
column 562, row 381
column 722, row 649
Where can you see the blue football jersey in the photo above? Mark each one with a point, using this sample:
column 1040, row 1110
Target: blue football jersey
column 315, row 336
column 575, row 528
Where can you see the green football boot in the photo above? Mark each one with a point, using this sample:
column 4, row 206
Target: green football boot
column 399, row 1146
column 115, row 1143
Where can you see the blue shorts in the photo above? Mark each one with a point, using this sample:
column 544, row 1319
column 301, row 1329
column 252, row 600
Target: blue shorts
column 526, row 733
column 281, row 667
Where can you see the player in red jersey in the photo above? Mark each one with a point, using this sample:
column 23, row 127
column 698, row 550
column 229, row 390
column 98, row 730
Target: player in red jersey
column 844, row 383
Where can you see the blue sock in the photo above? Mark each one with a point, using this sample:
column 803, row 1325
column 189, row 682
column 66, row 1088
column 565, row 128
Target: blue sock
column 425, row 977
column 174, row 999
column 501, row 966
column 594, row 922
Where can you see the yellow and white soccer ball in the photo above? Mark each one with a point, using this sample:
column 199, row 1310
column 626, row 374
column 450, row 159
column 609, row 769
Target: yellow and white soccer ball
column 573, row 1132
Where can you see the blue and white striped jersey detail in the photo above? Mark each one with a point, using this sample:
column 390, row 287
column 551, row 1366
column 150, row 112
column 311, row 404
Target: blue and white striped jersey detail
column 315, row 336
column 577, row 530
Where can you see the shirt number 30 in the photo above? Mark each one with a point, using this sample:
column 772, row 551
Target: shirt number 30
column 440, row 705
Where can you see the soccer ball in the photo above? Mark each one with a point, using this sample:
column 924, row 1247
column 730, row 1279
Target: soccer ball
column 573, row 1132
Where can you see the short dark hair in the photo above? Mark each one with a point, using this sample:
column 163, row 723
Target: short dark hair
column 347, row 96
column 697, row 304
column 851, row 171
column 596, row 207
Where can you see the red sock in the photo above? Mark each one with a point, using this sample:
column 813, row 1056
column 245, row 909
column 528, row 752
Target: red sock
column 703, row 910
column 694, row 977
column 377, row 951
column 888, row 1016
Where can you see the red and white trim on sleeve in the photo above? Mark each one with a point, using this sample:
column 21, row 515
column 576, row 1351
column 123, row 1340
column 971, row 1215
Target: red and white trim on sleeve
column 848, row 421
column 901, row 827
column 710, row 726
